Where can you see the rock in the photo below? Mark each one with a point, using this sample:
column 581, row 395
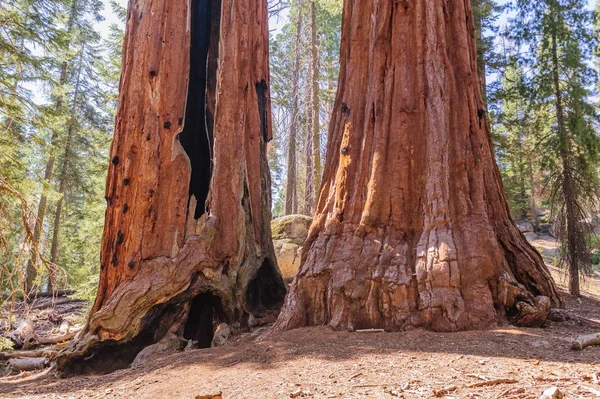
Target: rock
column 552, row 393
column 289, row 234
column 191, row 345
column 222, row 335
column 531, row 236
column 169, row 344
column 291, row 227
column 288, row 258
column 558, row 315
column 525, row 226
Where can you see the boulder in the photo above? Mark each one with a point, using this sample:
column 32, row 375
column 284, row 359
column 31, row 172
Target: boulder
column 169, row 344
column 289, row 234
column 531, row 236
column 291, row 227
column 222, row 335
column 525, row 226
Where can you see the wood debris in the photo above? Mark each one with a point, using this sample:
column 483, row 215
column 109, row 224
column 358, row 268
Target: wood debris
column 492, row 382
column 438, row 393
column 584, row 341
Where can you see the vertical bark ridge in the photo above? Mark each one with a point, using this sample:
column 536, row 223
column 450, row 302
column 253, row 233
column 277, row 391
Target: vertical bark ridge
column 412, row 227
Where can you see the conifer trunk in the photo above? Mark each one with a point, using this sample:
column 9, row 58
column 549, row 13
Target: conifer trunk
column 62, row 188
column 315, row 103
column 30, row 268
column 291, row 187
column 570, row 219
column 412, row 227
column 187, row 241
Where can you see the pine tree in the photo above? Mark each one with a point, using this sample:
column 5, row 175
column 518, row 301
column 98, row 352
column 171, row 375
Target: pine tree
column 556, row 41
column 519, row 129
column 31, row 30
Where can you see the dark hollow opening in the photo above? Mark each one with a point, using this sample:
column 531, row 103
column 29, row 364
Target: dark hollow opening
column 261, row 94
column 111, row 356
column 205, row 315
column 266, row 291
column 197, row 135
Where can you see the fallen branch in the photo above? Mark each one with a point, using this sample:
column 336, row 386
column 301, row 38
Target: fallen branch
column 28, row 364
column 371, row 331
column 492, row 382
column 584, row 341
column 57, row 340
column 33, row 341
column 46, row 353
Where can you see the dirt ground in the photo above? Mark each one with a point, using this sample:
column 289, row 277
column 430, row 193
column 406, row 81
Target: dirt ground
column 319, row 363
column 503, row 362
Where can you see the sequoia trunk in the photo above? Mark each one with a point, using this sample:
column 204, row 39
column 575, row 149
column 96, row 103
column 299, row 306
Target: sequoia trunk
column 412, row 227
column 187, row 241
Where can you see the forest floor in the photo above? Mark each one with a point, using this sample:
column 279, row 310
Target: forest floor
column 503, row 362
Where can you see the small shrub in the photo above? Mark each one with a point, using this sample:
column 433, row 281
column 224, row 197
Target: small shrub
column 6, row 344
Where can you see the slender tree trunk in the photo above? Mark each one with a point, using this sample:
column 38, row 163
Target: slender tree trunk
column 309, row 191
column 532, row 201
column 567, row 178
column 412, row 227
column 315, row 104
column 291, row 188
column 31, row 270
column 63, row 174
column 187, row 241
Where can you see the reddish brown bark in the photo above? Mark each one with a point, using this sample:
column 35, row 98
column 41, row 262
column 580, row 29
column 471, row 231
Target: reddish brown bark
column 187, row 234
column 412, row 227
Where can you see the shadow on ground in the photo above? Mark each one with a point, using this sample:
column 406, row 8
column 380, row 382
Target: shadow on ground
column 310, row 348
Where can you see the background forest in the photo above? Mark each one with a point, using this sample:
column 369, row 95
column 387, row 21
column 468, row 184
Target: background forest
column 59, row 76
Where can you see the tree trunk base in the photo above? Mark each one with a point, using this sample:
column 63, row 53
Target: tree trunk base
column 173, row 304
column 360, row 278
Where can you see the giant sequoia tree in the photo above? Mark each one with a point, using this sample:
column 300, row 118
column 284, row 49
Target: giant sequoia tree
column 187, row 240
column 412, row 227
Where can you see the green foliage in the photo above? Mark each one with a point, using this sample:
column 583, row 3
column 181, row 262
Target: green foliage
column 555, row 40
column 58, row 97
column 6, row 344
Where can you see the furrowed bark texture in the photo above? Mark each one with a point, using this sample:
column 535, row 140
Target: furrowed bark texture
column 187, row 232
column 412, row 227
